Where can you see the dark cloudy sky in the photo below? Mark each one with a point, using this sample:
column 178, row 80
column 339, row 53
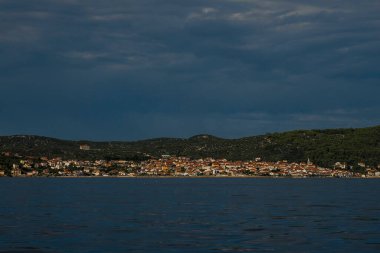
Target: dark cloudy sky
column 136, row 69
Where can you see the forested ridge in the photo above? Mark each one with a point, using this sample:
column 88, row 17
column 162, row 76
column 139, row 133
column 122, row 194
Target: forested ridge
column 323, row 147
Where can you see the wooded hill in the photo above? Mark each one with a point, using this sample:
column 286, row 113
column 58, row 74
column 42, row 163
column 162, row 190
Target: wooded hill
column 323, row 147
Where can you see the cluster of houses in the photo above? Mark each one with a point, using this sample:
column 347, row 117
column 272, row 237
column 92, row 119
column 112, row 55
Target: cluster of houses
column 175, row 166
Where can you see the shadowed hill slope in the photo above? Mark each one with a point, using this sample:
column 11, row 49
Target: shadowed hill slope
column 324, row 147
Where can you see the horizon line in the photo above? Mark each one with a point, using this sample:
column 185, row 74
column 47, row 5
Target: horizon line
column 207, row 135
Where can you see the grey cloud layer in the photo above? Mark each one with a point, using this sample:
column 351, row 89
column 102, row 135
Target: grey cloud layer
column 177, row 68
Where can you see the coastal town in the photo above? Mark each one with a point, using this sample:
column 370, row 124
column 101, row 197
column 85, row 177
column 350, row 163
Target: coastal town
column 172, row 166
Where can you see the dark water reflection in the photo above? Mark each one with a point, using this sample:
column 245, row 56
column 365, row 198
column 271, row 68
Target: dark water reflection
column 189, row 215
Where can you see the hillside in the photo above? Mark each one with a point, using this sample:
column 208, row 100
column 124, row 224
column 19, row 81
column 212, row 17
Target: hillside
column 324, row 147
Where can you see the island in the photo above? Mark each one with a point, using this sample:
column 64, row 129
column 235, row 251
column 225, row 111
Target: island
column 302, row 153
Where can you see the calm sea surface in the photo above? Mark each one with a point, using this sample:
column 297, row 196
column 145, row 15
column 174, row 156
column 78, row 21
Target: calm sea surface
column 189, row 215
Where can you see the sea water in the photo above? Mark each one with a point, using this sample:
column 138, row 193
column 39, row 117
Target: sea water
column 189, row 215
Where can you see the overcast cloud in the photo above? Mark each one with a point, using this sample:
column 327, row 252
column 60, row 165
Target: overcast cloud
column 127, row 70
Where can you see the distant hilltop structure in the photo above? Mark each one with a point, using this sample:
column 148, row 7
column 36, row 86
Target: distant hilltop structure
column 84, row 147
